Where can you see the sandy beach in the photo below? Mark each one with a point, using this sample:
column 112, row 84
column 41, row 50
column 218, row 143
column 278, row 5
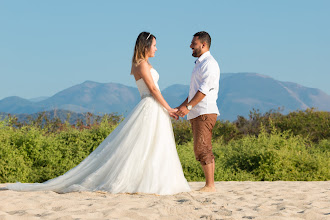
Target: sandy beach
column 233, row 200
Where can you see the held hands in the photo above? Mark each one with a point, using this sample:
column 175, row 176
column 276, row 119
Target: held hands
column 173, row 113
column 182, row 111
column 177, row 112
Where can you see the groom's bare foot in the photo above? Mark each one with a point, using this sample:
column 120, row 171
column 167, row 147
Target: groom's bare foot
column 208, row 189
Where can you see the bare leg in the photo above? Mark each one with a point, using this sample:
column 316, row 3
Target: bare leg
column 209, row 177
column 213, row 168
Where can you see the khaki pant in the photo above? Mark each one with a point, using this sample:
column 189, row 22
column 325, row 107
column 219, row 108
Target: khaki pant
column 202, row 132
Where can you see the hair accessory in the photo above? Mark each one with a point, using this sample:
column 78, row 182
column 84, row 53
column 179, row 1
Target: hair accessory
column 148, row 36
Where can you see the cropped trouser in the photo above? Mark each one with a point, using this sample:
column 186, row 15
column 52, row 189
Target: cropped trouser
column 202, row 133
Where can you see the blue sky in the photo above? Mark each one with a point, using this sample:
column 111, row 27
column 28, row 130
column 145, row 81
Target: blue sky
column 47, row 46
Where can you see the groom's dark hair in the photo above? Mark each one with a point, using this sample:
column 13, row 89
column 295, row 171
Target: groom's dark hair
column 203, row 36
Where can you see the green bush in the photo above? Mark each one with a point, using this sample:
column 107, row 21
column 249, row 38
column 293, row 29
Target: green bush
column 225, row 130
column 32, row 154
column 314, row 125
column 278, row 156
column 268, row 157
column 264, row 147
column 309, row 123
column 182, row 131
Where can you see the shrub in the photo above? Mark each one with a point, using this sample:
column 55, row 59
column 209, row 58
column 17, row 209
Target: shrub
column 265, row 147
column 225, row 130
column 278, row 156
column 32, row 154
column 268, row 157
column 182, row 131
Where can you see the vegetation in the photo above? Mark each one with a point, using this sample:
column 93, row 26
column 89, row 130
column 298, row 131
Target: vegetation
column 314, row 125
column 263, row 147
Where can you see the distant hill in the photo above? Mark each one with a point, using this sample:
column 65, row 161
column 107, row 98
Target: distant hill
column 94, row 97
column 239, row 93
column 86, row 97
column 175, row 94
column 15, row 104
column 39, row 99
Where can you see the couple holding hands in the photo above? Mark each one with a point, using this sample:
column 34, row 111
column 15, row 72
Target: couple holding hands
column 140, row 155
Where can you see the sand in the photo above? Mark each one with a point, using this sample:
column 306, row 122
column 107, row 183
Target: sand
column 233, row 200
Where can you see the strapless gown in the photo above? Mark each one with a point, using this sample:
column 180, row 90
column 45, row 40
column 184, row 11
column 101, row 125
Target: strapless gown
column 138, row 156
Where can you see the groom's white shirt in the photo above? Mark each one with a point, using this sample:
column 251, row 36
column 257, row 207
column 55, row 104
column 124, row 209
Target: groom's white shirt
column 205, row 78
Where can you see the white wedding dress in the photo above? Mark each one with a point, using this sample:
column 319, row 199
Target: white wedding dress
column 138, row 156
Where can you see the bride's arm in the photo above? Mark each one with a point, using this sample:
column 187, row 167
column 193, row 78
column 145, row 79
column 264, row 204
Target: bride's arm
column 144, row 72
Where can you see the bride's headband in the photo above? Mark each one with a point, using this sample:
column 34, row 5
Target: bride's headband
column 148, row 36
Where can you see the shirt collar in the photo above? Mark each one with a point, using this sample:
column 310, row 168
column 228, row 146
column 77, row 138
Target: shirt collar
column 203, row 56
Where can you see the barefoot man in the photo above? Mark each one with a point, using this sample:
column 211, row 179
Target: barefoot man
column 201, row 105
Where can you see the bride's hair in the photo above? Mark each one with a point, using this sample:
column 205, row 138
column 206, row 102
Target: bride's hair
column 142, row 45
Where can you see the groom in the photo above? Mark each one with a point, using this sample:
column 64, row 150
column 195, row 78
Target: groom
column 200, row 106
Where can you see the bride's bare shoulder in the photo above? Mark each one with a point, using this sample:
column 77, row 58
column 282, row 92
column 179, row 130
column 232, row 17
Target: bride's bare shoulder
column 140, row 70
column 142, row 67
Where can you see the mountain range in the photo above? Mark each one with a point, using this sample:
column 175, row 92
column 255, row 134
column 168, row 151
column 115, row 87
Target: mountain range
column 239, row 93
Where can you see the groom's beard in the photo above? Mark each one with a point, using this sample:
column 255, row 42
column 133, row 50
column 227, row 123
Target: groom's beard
column 196, row 52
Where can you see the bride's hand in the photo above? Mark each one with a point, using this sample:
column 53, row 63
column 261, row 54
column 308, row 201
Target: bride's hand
column 172, row 113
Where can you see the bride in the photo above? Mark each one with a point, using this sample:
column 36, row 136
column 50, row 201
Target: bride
column 140, row 154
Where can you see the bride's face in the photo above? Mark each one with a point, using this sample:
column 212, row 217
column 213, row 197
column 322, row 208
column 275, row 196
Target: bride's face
column 153, row 48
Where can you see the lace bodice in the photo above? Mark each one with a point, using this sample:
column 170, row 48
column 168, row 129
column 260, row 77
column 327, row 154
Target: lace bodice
column 142, row 87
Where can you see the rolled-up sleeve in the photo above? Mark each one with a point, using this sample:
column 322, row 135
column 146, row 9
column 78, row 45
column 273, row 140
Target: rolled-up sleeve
column 208, row 77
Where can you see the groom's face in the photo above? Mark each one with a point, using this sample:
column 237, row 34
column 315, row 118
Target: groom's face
column 196, row 47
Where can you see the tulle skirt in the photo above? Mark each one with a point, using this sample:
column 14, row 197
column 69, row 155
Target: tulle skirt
column 138, row 156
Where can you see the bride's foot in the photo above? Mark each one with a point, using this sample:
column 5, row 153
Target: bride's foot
column 208, row 189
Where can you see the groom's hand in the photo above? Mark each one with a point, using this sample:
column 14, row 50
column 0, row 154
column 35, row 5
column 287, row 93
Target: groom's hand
column 182, row 111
